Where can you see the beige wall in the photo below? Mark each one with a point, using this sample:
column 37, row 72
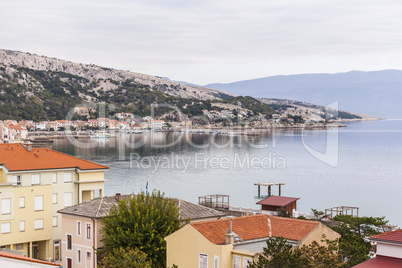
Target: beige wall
column 185, row 245
column 317, row 233
column 28, row 215
column 79, row 242
column 49, row 234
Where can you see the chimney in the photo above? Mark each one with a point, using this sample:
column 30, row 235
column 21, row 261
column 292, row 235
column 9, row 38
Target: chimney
column 230, row 235
column 28, row 146
column 118, row 196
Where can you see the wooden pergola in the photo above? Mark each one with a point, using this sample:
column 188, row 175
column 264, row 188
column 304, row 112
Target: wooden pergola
column 342, row 210
column 214, row 201
column 269, row 185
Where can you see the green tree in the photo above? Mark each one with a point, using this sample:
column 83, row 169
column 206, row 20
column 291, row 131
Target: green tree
column 318, row 215
column 323, row 256
column 279, row 254
column 355, row 231
column 120, row 257
column 142, row 221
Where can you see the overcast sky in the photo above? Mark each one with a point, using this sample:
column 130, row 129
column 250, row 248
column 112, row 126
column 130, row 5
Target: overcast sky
column 208, row 41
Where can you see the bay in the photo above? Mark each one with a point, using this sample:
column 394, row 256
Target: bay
column 359, row 165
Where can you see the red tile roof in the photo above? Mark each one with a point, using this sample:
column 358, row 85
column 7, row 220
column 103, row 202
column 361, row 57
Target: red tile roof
column 16, row 158
column 255, row 226
column 394, row 236
column 381, row 262
column 277, row 201
column 22, row 258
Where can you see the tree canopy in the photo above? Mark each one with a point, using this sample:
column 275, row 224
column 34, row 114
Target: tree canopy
column 279, row 254
column 120, row 257
column 142, row 221
column 355, row 231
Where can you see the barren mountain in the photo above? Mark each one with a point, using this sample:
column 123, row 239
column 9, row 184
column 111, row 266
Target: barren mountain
column 103, row 75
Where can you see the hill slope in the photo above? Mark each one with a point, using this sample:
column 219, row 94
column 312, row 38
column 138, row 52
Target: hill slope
column 374, row 93
column 40, row 88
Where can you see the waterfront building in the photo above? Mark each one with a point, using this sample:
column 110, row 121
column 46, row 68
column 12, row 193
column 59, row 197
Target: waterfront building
column 34, row 185
column 82, row 224
column 234, row 242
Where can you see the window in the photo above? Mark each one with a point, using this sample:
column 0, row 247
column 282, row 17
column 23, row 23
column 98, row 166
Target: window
column 54, row 221
column 19, row 246
column 38, row 202
column 22, row 226
column 35, row 178
column 38, row 224
column 88, row 231
column 68, row 177
column 216, row 261
column 203, row 260
column 236, row 261
column 57, row 250
column 17, row 180
column 5, row 206
column 6, row 227
column 22, row 202
column 54, row 180
column 78, row 228
column 69, row 242
column 68, row 199
column 54, row 198
column 246, row 262
column 78, row 256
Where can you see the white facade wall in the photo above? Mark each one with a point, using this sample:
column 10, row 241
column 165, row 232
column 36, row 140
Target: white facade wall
column 389, row 250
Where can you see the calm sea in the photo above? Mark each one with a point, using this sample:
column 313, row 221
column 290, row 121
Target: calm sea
column 359, row 165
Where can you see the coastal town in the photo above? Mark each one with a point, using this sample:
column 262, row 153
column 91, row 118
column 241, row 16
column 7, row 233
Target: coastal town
column 224, row 120
column 200, row 134
column 53, row 210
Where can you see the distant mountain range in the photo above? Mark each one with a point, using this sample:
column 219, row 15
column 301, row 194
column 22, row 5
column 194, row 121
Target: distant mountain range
column 376, row 93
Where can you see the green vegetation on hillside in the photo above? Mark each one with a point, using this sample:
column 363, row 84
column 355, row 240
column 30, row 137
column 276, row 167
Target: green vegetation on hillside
column 47, row 95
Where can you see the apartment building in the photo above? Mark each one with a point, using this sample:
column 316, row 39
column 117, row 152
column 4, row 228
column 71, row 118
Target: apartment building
column 34, row 185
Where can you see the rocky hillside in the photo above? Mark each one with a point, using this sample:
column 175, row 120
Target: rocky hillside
column 310, row 112
column 39, row 88
column 102, row 76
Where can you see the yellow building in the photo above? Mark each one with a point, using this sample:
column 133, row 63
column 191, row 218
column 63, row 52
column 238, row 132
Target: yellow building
column 234, row 242
column 34, row 185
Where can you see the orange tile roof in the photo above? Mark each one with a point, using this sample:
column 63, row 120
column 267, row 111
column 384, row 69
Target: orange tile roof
column 255, row 226
column 394, row 236
column 22, row 258
column 16, row 158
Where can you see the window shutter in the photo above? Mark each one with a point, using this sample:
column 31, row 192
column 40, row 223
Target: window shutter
column 236, row 261
column 6, row 206
column 54, row 221
column 5, row 227
column 22, row 202
column 22, row 226
column 35, row 179
column 246, row 262
column 38, row 224
column 38, row 202
column 68, row 199
column 68, row 177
